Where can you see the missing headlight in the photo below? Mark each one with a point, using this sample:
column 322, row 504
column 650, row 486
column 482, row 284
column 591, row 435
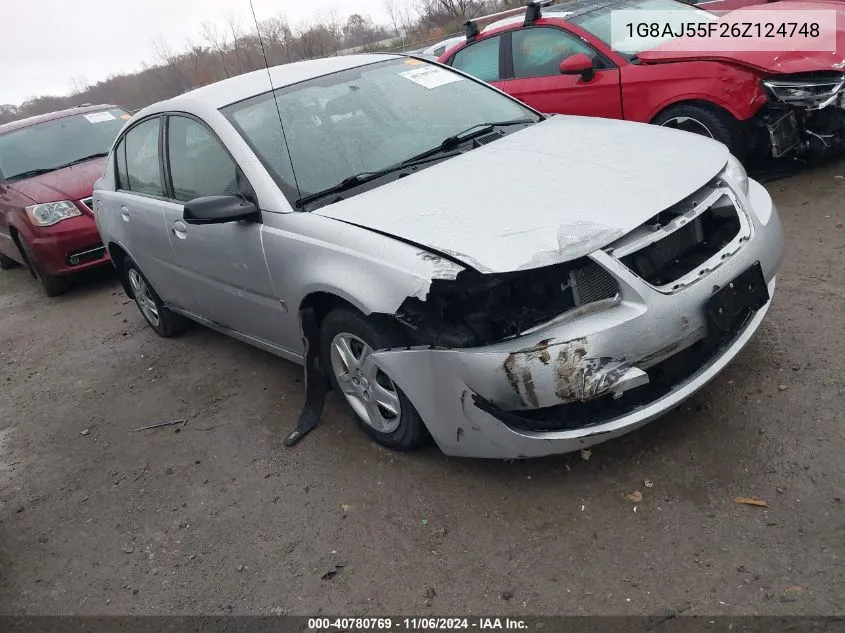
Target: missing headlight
column 477, row 309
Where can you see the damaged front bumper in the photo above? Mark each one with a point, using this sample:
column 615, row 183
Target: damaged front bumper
column 596, row 374
column 806, row 114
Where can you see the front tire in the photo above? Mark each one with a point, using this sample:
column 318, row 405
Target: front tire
column 53, row 284
column 162, row 320
column 706, row 120
column 6, row 262
column 378, row 405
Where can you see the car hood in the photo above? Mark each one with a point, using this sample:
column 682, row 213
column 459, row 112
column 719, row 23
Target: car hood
column 70, row 183
column 773, row 62
column 547, row 194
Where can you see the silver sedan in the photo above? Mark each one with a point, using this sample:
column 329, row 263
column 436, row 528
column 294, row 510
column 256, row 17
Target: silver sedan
column 453, row 264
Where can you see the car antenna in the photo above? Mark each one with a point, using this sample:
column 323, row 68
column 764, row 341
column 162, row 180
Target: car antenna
column 275, row 99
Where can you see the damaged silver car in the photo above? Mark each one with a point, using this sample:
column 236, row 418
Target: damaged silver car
column 453, row 264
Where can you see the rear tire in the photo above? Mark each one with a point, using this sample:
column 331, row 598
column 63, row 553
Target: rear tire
column 706, row 120
column 6, row 262
column 162, row 320
column 53, row 285
column 379, row 407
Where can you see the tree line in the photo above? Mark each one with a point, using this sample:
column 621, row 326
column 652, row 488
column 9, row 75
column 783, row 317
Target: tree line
column 224, row 49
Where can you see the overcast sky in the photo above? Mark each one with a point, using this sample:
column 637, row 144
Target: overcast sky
column 46, row 44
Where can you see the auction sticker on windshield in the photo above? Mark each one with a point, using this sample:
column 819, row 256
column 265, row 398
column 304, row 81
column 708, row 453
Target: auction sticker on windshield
column 432, row 77
column 99, row 117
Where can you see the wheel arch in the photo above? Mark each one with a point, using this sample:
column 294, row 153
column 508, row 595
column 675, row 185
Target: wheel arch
column 695, row 100
column 118, row 256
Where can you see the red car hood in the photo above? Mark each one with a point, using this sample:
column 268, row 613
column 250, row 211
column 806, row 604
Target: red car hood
column 766, row 61
column 70, row 183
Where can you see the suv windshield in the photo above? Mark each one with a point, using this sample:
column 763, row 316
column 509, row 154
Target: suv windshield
column 365, row 120
column 676, row 14
column 51, row 145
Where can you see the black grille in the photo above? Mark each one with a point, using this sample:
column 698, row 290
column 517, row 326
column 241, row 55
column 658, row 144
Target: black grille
column 662, row 262
column 593, row 283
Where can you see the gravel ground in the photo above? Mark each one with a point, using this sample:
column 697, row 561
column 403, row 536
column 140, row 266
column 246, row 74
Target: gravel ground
column 219, row 517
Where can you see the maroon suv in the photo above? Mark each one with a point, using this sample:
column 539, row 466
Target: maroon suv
column 48, row 166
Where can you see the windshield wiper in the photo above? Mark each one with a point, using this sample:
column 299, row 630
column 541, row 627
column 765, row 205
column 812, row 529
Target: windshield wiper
column 31, row 173
column 367, row 176
column 474, row 131
column 82, row 160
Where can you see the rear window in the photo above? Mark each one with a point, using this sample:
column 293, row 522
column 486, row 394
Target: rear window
column 55, row 144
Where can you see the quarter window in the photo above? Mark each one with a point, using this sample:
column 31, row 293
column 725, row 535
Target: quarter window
column 120, row 156
column 480, row 59
column 199, row 165
column 538, row 52
column 142, row 165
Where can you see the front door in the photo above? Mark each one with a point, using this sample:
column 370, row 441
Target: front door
column 536, row 56
column 223, row 264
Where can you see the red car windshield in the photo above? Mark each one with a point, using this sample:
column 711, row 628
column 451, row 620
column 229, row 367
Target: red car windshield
column 598, row 22
column 51, row 145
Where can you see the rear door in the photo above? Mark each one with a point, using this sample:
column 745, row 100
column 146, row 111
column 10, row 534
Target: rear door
column 141, row 201
column 222, row 263
column 533, row 65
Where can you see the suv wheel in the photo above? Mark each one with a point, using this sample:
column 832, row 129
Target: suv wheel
column 6, row 262
column 53, row 285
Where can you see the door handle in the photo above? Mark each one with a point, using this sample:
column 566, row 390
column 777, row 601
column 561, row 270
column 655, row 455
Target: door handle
column 180, row 229
column 124, row 214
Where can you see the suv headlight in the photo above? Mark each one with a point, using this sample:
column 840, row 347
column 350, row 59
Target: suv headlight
column 813, row 93
column 735, row 173
column 50, row 213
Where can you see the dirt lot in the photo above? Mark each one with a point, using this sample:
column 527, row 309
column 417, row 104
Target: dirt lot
column 221, row 518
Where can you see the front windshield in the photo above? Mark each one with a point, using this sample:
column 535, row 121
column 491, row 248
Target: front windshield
column 363, row 120
column 54, row 144
column 676, row 15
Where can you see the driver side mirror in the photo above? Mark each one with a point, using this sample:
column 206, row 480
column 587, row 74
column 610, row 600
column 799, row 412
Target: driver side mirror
column 219, row 210
column 578, row 64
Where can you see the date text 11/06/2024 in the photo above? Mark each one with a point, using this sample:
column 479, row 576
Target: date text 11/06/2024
column 430, row 624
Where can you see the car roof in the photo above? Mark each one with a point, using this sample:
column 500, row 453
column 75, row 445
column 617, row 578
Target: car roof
column 563, row 11
column 449, row 42
column 52, row 116
column 222, row 93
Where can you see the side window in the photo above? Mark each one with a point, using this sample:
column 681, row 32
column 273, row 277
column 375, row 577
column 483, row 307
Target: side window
column 480, row 59
column 538, row 52
column 199, row 165
column 142, row 161
column 120, row 158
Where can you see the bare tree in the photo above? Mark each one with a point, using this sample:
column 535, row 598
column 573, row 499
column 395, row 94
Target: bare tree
column 237, row 34
column 78, row 85
column 217, row 41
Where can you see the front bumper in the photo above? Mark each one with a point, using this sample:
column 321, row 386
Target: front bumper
column 471, row 399
column 68, row 247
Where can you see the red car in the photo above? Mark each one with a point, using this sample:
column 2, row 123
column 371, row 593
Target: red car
column 48, row 166
column 560, row 61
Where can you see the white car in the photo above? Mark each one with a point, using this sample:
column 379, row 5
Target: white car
column 436, row 50
column 454, row 264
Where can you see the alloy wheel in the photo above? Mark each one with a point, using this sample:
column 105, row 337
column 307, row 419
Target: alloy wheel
column 143, row 297
column 372, row 394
